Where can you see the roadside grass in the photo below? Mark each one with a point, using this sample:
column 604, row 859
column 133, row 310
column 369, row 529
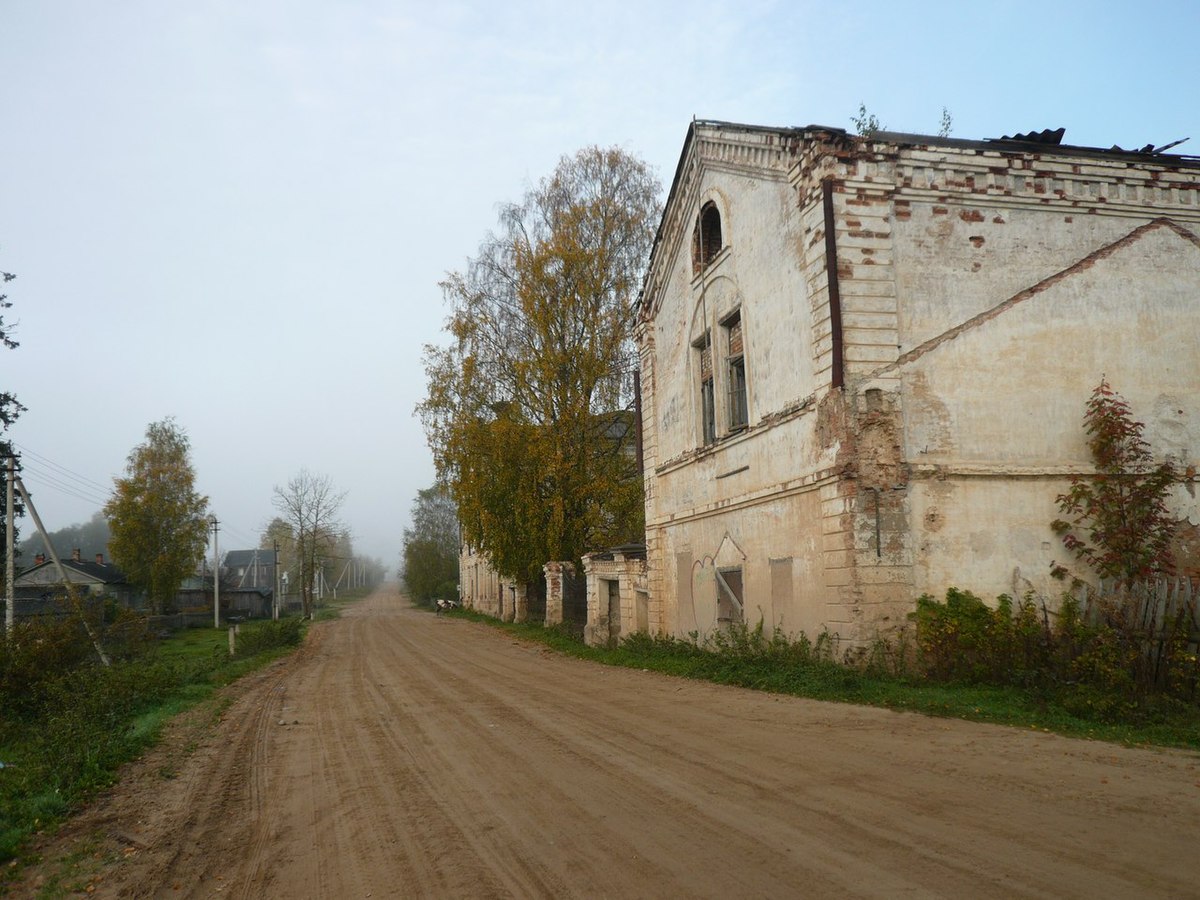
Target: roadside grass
column 61, row 751
column 331, row 608
column 807, row 669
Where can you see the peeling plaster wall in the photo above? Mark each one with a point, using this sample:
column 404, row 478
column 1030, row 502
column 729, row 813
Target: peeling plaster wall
column 757, row 489
column 1010, row 317
column 758, row 272
column 778, row 546
column 995, row 414
column 982, row 295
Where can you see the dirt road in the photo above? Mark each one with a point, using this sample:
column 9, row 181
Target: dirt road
column 403, row 755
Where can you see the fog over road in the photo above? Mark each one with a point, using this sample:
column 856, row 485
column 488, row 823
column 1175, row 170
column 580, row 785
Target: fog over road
column 435, row 757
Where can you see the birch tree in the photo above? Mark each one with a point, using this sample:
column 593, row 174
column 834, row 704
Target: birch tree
column 157, row 519
column 431, row 547
column 529, row 411
column 310, row 504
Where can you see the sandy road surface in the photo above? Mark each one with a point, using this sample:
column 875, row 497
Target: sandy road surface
column 435, row 757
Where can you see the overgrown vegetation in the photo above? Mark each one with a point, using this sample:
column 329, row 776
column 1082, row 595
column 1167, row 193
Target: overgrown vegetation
column 1072, row 687
column 67, row 723
column 1099, row 667
column 865, row 123
column 1117, row 521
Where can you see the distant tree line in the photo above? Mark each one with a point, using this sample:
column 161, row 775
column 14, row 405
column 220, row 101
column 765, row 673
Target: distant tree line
column 90, row 537
column 431, row 546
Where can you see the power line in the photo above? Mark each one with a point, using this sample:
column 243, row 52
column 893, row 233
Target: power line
column 46, row 480
column 240, row 535
column 69, row 473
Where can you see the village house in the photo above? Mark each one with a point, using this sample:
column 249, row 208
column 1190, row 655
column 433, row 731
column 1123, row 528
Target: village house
column 864, row 364
column 249, row 568
column 40, row 588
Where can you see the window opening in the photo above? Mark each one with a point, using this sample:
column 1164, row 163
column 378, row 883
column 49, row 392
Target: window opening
column 735, row 361
column 706, row 239
column 729, row 597
column 708, row 409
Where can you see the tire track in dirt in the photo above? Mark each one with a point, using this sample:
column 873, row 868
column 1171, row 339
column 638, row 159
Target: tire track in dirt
column 678, row 788
column 430, row 757
column 912, row 820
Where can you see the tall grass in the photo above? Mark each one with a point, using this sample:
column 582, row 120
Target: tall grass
column 67, row 723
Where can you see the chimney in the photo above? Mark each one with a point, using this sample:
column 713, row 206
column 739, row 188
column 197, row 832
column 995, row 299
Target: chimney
column 39, row 559
column 99, row 559
column 75, row 555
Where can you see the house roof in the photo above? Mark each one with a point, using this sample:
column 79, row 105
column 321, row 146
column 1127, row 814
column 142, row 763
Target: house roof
column 86, row 570
column 246, row 558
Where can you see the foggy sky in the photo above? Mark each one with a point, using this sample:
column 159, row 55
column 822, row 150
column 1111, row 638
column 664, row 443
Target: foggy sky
column 237, row 213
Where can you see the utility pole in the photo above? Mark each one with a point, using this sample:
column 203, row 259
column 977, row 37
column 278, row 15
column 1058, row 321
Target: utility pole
column 10, row 549
column 318, row 579
column 216, row 525
column 72, row 594
column 277, row 598
column 337, row 584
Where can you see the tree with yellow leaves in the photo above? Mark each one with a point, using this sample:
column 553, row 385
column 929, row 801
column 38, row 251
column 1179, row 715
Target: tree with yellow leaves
column 529, row 411
column 158, row 520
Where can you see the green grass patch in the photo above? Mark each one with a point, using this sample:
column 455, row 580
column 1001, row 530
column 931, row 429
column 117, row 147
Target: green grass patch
column 76, row 722
column 803, row 668
column 331, row 607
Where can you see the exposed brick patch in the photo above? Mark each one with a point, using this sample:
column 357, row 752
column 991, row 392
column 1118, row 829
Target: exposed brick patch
column 971, row 215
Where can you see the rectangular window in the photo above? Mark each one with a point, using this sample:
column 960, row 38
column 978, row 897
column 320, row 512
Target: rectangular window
column 708, row 407
column 735, row 362
column 708, row 410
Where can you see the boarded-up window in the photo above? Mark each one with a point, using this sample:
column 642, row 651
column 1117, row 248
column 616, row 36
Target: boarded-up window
column 683, row 589
column 782, row 587
column 730, row 600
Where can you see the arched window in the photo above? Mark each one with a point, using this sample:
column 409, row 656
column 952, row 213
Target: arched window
column 706, row 239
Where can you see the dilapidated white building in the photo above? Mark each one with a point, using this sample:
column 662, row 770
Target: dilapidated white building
column 865, row 363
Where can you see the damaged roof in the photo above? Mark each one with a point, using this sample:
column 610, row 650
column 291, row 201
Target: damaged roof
column 1021, row 142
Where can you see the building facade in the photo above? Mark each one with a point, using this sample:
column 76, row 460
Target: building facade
column 41, row 589
column 865, row 362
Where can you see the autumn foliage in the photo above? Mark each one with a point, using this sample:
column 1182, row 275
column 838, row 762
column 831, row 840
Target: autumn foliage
column 158, row 523
column 1117, row 521
column 529, row 411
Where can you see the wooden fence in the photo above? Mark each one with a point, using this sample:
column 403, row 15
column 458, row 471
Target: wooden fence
column 1152, row 618
column 1152, row 607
